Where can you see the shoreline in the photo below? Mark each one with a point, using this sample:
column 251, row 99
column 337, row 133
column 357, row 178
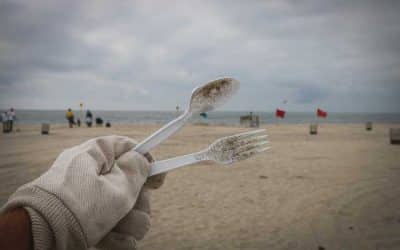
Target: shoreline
column 212, row 124
column 219, row 118
column 116, row 125
column 215, row 111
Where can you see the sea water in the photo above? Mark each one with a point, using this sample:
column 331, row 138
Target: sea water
column 214, row 118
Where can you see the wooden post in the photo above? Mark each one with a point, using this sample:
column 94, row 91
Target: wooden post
column 394, row 135
column 368, row 126
column 45, row 128
column 313, row 129
column 257, row 121
column 252, row 121
column 81, row 112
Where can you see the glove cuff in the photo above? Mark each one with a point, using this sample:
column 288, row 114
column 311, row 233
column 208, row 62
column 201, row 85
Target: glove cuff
column 52, row 222
column 41, row 232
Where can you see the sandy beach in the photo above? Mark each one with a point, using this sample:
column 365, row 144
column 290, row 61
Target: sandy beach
column 339, row 189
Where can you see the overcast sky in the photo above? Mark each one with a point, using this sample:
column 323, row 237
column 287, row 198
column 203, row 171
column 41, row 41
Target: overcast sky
column 149, row 55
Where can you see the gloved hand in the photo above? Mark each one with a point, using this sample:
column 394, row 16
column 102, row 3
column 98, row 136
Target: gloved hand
column 91, row 196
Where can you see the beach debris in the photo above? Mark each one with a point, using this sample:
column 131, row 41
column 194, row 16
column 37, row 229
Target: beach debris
column 321, row 248
column 263, row 177
column 250, row 120
column 204, row 98
column 226, row 150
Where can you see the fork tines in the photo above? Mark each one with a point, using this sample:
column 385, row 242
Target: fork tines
column 250, row 143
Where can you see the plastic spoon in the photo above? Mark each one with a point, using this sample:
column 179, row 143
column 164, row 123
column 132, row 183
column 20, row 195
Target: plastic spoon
column 204, row 98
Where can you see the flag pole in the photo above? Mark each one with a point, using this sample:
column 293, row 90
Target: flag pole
column 81, row 111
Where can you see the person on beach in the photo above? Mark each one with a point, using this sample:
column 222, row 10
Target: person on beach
column 95, row 194
column 10, row 117
column 4, row 121
column 89, row 118
column 70, row 117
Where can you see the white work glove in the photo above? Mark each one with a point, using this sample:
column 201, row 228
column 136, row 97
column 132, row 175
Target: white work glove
column 91, row 196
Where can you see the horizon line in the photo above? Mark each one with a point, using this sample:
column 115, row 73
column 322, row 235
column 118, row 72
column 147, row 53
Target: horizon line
column 171, row 110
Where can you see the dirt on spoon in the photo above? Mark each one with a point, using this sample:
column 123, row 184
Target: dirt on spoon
column 206, row 97
column 207, row 91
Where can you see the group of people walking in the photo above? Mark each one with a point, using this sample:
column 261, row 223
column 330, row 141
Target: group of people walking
column 7, row 119
column 88, row 119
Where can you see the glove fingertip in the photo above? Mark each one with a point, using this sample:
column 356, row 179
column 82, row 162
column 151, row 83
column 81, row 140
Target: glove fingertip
column 123, row 144
column 155, row 181
column 134, row 163
column 116, row 241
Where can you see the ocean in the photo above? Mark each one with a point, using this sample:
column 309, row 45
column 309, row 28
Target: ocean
column 215, row 118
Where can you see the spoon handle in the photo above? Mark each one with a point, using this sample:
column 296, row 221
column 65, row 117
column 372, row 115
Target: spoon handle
column 162, row 134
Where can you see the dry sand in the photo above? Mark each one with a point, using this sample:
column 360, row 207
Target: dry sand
column 339, row 189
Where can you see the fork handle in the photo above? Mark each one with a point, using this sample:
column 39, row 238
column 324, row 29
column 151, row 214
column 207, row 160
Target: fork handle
column 163, row 166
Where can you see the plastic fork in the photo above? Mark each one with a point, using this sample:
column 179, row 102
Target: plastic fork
column 226, row 150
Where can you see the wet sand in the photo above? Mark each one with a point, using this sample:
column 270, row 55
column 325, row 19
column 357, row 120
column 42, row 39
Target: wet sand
column 339, row 189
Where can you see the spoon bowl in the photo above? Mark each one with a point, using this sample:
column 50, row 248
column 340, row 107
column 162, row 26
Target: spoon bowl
column 212, row 95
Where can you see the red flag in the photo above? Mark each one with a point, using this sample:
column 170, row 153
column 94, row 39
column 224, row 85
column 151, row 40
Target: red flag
column 321, row 113
column 280, row 113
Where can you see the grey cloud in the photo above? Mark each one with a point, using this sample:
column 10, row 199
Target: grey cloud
column 307, row 95
column 150, row 54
